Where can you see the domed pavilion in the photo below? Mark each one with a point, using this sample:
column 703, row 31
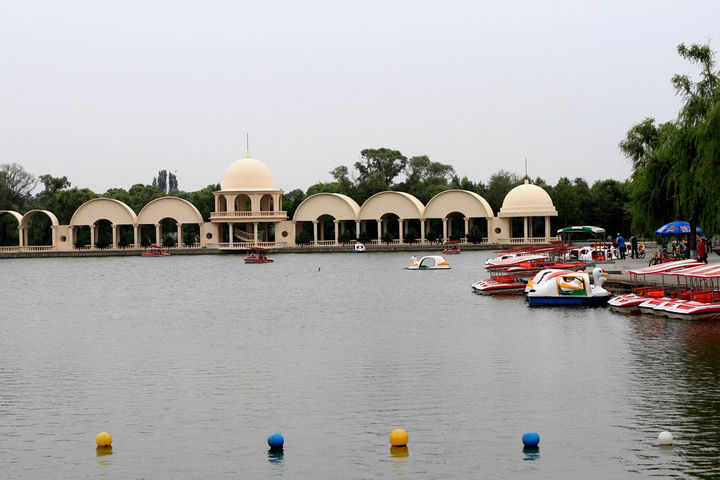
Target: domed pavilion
column 526, row 201
column 248, row 207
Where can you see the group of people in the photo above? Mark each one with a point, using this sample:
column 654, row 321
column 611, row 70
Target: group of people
column 622, row 247
column 704, row 245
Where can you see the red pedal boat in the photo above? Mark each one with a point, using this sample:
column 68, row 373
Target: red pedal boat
column 258, row 255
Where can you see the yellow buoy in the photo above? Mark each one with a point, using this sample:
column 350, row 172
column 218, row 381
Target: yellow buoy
column 398, row 438
column 103, row 439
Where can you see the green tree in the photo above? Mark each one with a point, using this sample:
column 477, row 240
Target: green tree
column 425, row 178
column 675, row 166
column 498, row 187
column 388, row 163
column 68, row 201
column 16, row 185
column 291, row 200
column 172, row 182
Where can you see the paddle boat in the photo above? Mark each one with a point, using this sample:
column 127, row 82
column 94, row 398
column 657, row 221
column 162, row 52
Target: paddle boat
column 630, row 302
column 509, row 276
column 697, row 299
column 567, row 287
column 500, row 285
column 359, row 248
column 430, row 262
column 258, row 255
column 452, row 249
column 155, row 251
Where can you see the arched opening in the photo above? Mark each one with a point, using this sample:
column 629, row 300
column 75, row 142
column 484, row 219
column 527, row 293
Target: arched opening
column 434, row 230
column 103, row 233
column 125, row 235
column 190, row 235
column 267, row 203
column 81, row 236
column 221, row 203
column 146, row 234
column 243, row 203
column 168, row 232
column 39, row 229
column 9, row 233
column 389, row 228
column 477, row 230
column 303, row 232
column 326, row 229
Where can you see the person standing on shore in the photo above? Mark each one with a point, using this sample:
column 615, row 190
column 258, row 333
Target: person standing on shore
column 634, row 247
column 702, row 250
column 621, row 245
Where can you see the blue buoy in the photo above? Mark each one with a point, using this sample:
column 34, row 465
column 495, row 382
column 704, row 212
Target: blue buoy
column 530, row 439
column 276, row 441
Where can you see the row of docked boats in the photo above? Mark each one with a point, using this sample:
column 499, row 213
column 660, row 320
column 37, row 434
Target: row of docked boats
column 511, row 270
column 545, row 276
column 684, row 289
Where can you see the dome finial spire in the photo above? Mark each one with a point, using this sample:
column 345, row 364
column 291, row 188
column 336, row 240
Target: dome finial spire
column 247, row 145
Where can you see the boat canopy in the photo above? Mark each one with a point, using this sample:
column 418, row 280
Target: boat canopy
column 665, row 267
column 581, row 229
column 702, row 271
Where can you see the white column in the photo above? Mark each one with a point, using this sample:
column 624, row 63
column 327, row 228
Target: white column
column 158, row 234
column 357, row 230
column 21, row 236
column 92, row 236
column 379, row 224
column 135, row 234
column 179, row 229
column 337, row 230
column 445, row 228
column 422, row 231
column 53, row 235
column 467, row 226
column 400, row 229
column 255, row 232
column 315, row 239
column 547, row 228
column 114, row 235
column 525, row 229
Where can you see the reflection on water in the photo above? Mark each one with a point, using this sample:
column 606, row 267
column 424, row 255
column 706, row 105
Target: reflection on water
column 399, row 452
column 676, row 370
column 531, row 454
column 207, row 355
column 103, row 451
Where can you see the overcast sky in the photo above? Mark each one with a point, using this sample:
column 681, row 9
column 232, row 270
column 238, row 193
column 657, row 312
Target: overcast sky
column 108, row 93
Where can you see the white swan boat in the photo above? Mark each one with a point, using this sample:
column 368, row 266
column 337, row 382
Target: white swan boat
column 567, row 287
column 430, row 262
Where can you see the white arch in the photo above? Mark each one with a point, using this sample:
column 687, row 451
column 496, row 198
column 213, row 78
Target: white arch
column 14, row 214
column 176, row 208
column 402, row 204
column 468, row 203
column 339, row 206
column 103, row 209
column 26, row 218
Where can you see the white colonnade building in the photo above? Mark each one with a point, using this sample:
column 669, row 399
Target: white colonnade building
column 248, row 212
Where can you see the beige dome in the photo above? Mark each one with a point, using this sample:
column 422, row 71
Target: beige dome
column 247, row 174
column 527, row 200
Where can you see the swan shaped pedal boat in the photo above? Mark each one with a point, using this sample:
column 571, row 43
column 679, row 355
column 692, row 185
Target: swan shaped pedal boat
column 567, row 287
column 430, row 262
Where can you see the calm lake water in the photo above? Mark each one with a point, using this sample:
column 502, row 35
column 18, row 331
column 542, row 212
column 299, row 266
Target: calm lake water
column 190, row 362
